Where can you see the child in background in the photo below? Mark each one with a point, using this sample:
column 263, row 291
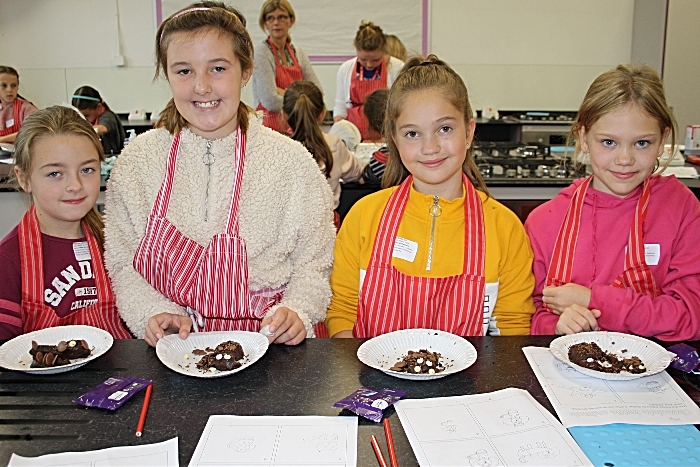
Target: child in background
column 374, row 109
column 213, row 220
column 303, row 109
column 13, row 109
column 52, row 271
column 591, row 274
column 358, row 77
column 436, row 251
column 105, row 122
column 395, row 48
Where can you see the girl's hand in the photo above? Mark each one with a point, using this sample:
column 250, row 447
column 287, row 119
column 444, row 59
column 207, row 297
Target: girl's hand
column 163, row 324
column 339, row 118
column 287, row 326
column 280, row 91
column 559, row 298
column 576, row 318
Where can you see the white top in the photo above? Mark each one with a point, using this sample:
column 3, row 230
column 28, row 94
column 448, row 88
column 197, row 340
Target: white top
column 342, row 83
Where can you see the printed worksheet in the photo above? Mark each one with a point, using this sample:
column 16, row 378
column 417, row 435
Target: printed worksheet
column 582, row 400
column 278, row 441
column 163, row 454
column 506, row 427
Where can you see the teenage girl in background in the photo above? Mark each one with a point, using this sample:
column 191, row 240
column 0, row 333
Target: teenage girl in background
column 619, row 250
column 358, row 77
column 303, row 109
column 278, row 63
column 13, row 109
column 52, row 271
column 374, row 110
column 204, row 226
column 97, row 112
column 436, row 251
column 395, row 47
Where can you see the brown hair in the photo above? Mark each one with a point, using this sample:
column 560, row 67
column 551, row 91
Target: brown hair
column 303, row 105
column 369, row 37
column 271, row 5
column 86, row 97
column 618, row 87
column 55, row 121
column 421, row 74
column 375, row 108
column 199, row 18
column 8, row 70
column 395, row 47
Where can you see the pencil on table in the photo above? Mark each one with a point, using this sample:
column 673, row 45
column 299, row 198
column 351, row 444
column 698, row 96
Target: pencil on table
column 144, row 410
column 377, row 451
column 390, row 443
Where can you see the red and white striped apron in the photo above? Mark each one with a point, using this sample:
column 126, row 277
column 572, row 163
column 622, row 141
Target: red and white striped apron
column 360, row 88
column 17, row 124
column 36, row 314
column 284, row 77
column 390, row 300
column 212, row 280
column 636, row 273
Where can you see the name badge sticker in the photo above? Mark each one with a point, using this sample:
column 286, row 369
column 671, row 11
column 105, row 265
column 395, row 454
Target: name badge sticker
column 81, row 251
column 9, row 123
column 652, row 253
column 405, row 249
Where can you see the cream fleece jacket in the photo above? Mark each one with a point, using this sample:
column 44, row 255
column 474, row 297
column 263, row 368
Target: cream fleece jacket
column 286, row 217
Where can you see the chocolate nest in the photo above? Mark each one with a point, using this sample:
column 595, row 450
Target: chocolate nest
column 46, row 356
column 225, row 357
column 422, row 362
column 590, row 355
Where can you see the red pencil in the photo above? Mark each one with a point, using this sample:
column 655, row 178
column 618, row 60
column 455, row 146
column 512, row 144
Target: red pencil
column 144, row 410
column 390, row 443
column 377, row 451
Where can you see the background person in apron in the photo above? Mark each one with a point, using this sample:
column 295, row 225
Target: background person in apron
column 618, row 250
column 52, row 271
column 436, row 251
column 358, row 77
column 278, row 63
column 13, row 109
column 201, row 221
column 105, row 122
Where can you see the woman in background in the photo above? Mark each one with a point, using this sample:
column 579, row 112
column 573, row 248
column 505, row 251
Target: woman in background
column 278, row 63
column 103, row 120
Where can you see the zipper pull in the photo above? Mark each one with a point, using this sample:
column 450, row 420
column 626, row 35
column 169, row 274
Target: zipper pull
column 435, row 211
column 435, row 208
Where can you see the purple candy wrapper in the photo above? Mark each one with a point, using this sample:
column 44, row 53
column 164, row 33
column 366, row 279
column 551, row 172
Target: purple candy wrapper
column 113, row 393
column 370, row 403
column 686, row 358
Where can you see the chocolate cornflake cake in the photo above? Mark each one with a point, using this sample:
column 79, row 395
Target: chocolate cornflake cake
column 226, row 356
column 421, row 362
column 590, row 355
column 46, row 356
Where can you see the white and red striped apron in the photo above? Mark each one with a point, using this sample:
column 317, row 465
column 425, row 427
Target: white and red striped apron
column 636, row 273
column 17, row 124
column 212, row 280
column 36, row 314
column 284, row 77
column 390, row 300
column 360, row 88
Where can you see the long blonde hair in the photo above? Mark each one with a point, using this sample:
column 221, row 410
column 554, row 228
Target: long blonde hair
column 55, row 121
column 194, row 19
column 420, row 74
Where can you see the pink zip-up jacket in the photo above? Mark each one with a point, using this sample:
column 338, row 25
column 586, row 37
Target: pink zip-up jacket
column 672, row 223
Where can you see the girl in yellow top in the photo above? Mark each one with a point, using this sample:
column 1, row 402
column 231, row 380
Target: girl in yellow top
column 435, row 251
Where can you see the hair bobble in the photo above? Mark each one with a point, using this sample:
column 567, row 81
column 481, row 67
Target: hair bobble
column 427, row 63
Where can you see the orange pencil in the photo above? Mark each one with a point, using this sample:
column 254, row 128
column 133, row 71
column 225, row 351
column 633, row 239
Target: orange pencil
column 377, row 451
column 390, row 443
column 144, row 410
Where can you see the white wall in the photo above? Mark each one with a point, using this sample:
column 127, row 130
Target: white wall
column 513, row 54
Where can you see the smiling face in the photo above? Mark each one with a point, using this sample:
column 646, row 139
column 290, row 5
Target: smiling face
column 9, row 85
column 64, row 182
column 277, row 24
column 370, row 59
column 624, row 145
column 432, row 137
column 206, row 78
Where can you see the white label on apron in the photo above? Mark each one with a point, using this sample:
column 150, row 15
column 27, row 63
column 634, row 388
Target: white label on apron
column 490, row 298
column 363, row 273
column 405, row 249
column 652, row 253
column 9, row 123
column 81, row 251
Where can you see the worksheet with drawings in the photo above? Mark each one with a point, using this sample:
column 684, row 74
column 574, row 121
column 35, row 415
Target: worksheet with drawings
column 325, row 29
column 277, row 440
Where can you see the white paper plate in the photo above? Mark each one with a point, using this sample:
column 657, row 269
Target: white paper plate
column 173, row 351
column 14, row 354
column 654, row 357
column 382, row 352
